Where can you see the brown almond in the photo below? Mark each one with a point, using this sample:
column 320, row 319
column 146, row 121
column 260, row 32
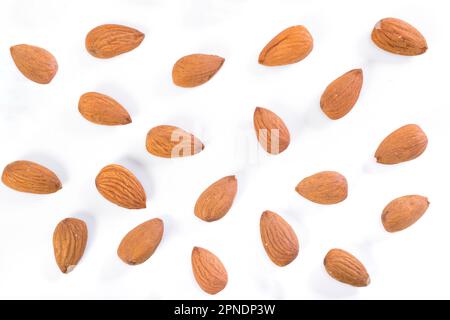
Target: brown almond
column 140, row 243
column 35, row 63
column 27, row 176
column 403, row 212
column 272, row 133
column 209, row 272
column 345, row 268
column 397, row 36
column 101, row 109
column 404, row 144
column 195, row 69
column 326, row 187
column 69, row 241
column 172, row 142
column 341, row 95
column 216, row 200
column 118, row 185
column 278, row 238
column 110, row 40
column 289, row 46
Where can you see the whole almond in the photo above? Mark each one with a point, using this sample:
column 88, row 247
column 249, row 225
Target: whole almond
column 101, row 109
column 209, row 272
column 195, row 69
column 69, row 241
column 341, row 95
column 216, row 200
column 140, row 243
column 118, row 185
column 35, row 63
column 397, row 36
column 172, row 142
column 110, row 40
column 27, row 176
column 289, row 46
column 403, row 212
column 404, row 144
column 345, row 268
column 272, row 133
column 326, row 187
column 278, row 238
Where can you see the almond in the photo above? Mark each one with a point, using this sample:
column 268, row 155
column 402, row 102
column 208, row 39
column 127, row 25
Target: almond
column 397, row 36
column 272, row 133
column 209, row 272
column 101, row 109
column 140, row 243
column 278, row 238
column 35, row 63
column 171, row 142
column 289, row 46
column 69, row 242
column 326, row 187
column 195, row 69
column 118, row 185
column 110, row 40
column 27, row 176
column 403, row 212
column 341, row 95
column 404, row 144
column 345, row 268
column 216, row 200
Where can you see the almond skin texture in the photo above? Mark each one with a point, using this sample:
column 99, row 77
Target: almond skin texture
column 30, row 177
column 289, row 46
column 397, row 36
column 110, row 40
column 404, row 144
column 326, row 187
column 272, row 133
column 118, row 185
column 341, row 95
column 101, row 109
column 403, row 212
column 69, row 241
column 172, row 142
column 195, row 69
column 35, row 63
column 216, row 200
column 278, row 238
column 345, row 268
column 209, row 272
column 140, row 243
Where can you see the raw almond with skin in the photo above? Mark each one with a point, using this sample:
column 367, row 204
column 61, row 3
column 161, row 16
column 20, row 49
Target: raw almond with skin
column 404, row 144
column 216, row 200
column 345, row 268
column 101, row 109
column 110, row 40
column 35, row 63
column 272, row 133
column 341, row 95
column 289, row 46
column 30, row 177
column 403, row 212
column 69, row 241
column 196, row 69
column 278, row 238
column 172, row 142
column 326, row 187
column 140, row 243
column 118, row 185
column 209, row 272
column 399, row 37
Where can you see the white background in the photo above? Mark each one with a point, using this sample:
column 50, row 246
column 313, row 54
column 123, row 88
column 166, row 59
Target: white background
column 41, row 123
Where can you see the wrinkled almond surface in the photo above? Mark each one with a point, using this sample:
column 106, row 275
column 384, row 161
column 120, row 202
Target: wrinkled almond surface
column 101, row 109
column 345, row 268
column 195, row 69
column 326, row 187
column 403, row 212
column 209, row 272
column 272, row 133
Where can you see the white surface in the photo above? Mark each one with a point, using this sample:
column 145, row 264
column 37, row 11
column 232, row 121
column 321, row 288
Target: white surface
column 42, row 124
